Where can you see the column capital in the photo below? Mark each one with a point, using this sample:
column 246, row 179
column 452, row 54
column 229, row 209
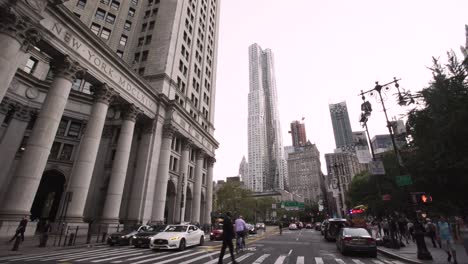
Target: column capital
column 187, row 144
column 201, row 154
column 19, row 27
column 103, row 93
column 211, row 161
column 67, row 68
column 22, row 113
column 169, row 130
column 6, row 105
column 130, row 112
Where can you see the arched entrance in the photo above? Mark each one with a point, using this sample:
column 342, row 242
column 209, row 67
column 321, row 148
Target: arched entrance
column 170, row 203
column 47, row 199
column 188, row 205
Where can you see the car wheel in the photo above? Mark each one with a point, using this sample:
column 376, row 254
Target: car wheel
column 373, row 254
column 182, row 244
column 212, row 238
column 202, row 240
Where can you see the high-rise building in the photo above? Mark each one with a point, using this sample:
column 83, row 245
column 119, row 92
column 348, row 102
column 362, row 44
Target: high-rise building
column 361, row 146
column 298, row 134
column 107, row 109
column 266, row 157
column 341, row 126
column 304, row 172
column 382, row 143
column 244, row 171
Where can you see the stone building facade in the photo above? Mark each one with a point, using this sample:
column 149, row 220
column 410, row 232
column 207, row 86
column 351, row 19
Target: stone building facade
column 90, row 134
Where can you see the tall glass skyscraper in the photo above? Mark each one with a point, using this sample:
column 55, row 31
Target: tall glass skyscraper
column 341, row 126
column 267, row 167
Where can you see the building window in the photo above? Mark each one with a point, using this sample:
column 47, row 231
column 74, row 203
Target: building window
column 134, row 2
column 137, row 57
column 140, row 41
column 123, row 40
column 141, row 71
column 115, row 5
column 105, row 33
column 151, row 25
column 144, row 55
column 147, row 14
column 66, row 152
column 81, row 4
column 155, row 12
column 30, row 65
column 131, row 12
column 100, row 14
column 143, row 27
column 110, row 18
column 105, row 2
column 120, row 53
column 76, row 14
column 74, row 129
column 148, row 40
column 95, row 28
column 54, row 151
column 127, row 25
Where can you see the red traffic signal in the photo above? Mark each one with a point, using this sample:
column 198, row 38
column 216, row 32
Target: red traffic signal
column 426, row 198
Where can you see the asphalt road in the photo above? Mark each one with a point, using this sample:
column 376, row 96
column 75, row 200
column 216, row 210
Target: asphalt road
column 293, row 247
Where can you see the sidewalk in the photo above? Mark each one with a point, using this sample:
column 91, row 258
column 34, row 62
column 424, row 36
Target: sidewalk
column 31, row 245
column 408, row 253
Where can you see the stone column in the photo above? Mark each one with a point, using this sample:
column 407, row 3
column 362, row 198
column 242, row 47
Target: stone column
column 5, row 106
column 163, row 175
column 115, row 190
column 197, row 187
column 17, row 33
column 182, row 182
column 137, row 200
column 83, row 166
column 27, row 177
column 209, row 191
column 10, row 143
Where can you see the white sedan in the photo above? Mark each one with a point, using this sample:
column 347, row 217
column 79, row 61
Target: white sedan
column 178, row 237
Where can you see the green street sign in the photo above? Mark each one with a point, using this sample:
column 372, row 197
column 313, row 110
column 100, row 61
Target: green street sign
column 404, row 180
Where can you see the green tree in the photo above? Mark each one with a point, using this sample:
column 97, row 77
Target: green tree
column 437, row 155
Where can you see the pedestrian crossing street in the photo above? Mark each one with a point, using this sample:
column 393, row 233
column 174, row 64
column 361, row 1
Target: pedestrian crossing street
column 127, row 255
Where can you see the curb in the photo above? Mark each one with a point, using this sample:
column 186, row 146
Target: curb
column 399, row 257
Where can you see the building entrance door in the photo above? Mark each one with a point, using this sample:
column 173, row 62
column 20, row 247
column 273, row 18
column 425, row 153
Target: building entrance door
column 47, row 199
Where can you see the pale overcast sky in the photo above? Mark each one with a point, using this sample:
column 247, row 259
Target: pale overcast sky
column 326, row 51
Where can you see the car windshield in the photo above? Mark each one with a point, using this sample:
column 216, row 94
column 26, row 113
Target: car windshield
column 356, row 232
column 178, row 228
column 155, row 228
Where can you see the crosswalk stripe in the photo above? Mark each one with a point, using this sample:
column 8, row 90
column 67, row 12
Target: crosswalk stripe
column 214, row 261
column 300, row 260
column 377, row 261
column 117, row 257
column 318, row 260
column 357, row 261
column 160, row 257
column 397, row 262
column 15, row 257
column 82, row 254
column 340, row 261
column 94, row 256
column 261, row 259
column 197, row 258
column 154, row 254
column 32, row 257
column 280, row 259
column 243, row 257
column 184, row 256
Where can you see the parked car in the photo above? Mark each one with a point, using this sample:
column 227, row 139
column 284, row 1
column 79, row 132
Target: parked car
column 251, row 228
column 142, row 239
column 178, row 237
column 332, row 228
column 292, row 226
column 217, row 232
column 356, row 240
column 308, row 226
column 259, row 226
column 124, row 237
column 318, row 226
column 322, row 227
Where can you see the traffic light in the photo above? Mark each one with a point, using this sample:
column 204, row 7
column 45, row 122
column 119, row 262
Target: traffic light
column 425, row 198
column 421, row 198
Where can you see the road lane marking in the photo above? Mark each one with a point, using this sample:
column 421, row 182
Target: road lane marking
column 290, row 251
column 357, row 261
column 117, row 257
column 261, row 259
column 300, row 260
column 214, row 261
column 340, row 261
column 94, row 256
column 318, row 260
column 157, row 254
column 377, row 261
column 160, row 257
column 243, row 257
column 197, row 258
column 280, row 259
column 81, row 255
column 15, row 258
column 184, row 256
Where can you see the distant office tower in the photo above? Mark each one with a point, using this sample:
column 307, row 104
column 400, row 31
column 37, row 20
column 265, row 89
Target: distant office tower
column 266, row 156
column 244, row 171
column 382, row 143
column 341, row 127
column 298, row 134
column 361, row 146
column 304, row 172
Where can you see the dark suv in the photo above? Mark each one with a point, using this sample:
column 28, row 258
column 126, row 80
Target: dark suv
column 332, row 227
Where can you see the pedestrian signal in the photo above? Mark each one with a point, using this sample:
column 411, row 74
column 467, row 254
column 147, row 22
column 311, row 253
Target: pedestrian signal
column 425, row 198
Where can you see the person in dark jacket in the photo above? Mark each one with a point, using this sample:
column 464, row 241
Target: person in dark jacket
column 21, row 229
column 228, row 236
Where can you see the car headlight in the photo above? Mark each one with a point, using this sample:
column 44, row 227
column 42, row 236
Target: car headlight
column 174, row 238
column 211, row 233
column 134, row 237
column 122, row 237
